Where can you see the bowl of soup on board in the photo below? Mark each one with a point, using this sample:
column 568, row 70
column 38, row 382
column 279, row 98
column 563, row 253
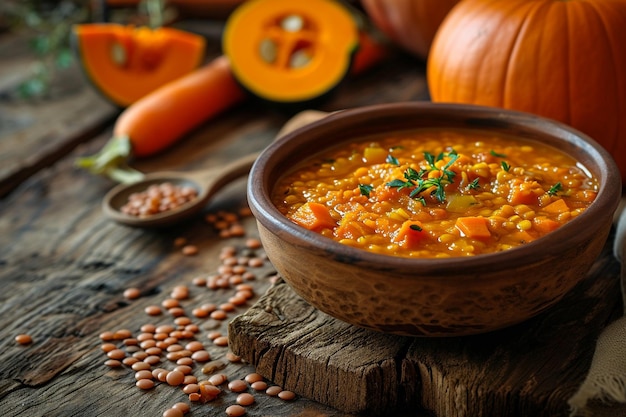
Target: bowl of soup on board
column 429, row 219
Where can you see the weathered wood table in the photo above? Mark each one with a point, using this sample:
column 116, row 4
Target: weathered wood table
column 64, row 269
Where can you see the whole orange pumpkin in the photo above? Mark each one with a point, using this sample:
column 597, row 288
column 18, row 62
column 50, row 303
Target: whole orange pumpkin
column 411, row 24
column 565, row 60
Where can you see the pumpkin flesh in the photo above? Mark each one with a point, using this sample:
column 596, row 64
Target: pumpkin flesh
column 126, row 63
column 283, row 64
column 564, row 60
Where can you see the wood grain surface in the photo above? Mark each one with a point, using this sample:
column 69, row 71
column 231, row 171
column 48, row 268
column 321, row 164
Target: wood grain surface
column 64, row 267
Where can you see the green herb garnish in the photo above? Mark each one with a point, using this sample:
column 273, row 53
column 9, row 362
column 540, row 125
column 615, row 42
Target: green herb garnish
column 499, row 155
column 415, row 227
column 474, row 185
column 392, row 160
column 555, row 189
column 505, row 166
column 365, row 189
column 418, row 181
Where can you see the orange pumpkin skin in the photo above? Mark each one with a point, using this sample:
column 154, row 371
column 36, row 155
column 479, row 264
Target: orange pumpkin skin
column 565, row 60
column 411, row 24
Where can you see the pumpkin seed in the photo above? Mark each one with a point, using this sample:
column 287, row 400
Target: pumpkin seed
column 299, row 59
column 118, row 54
column 292, row 23
column 268, row 50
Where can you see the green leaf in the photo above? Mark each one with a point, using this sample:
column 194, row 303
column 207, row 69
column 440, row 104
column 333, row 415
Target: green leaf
column 392, row 160
column 365, row 189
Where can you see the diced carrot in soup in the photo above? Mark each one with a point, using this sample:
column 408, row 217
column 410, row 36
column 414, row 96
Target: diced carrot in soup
column 473, row 227
column 411, row 234
column 314, row 216
column 558, row 206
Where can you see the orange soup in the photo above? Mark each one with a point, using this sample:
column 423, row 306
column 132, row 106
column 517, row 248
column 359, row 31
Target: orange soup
column 436, row 193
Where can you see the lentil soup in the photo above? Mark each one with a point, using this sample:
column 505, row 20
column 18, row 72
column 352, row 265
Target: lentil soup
column 432, row 193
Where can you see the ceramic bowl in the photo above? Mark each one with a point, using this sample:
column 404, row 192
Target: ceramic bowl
column 431, row 297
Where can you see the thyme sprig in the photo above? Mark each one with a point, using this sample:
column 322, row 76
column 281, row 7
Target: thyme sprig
column 555, row 189
column 419, row 181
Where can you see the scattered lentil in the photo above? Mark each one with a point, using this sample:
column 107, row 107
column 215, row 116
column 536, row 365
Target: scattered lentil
column 153, row 310
column 113, row 363
column 219, row 315
column 132, row 293
column 173, row 412
column 175, row 378
column 140, row 366
column 106, row 336
column 190, row 379
column 201, row 356
column 245, row 399
column 190, row 250
column 106, row 347
column 145, row 384
column 184, row 407
column 253, row 377
column 218, row 379
column 148, row 328
column 286, row 395
column 116, row 354
column 221, row 341
column 237, row 385
column 143, row 374
column 235, row 411
column 191, row 388
column 259, row 385
column 130, row 361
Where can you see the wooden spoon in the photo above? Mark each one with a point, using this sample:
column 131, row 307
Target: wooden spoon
column 208, row 182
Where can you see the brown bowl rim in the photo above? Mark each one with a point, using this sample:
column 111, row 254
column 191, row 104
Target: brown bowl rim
column 483, row 117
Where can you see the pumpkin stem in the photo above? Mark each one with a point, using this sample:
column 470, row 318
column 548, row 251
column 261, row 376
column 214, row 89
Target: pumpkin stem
column 111, row 161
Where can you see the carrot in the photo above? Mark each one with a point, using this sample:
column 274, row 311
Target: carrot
column 473, row 227
column 314, row 216
column 523, row 196
column 545, row 225
column 411, row 234
column 162, row 117
column 556, row 207
column 522, row 236
column 155, row 122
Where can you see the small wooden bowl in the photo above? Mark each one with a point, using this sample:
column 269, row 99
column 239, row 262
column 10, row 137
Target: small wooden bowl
column 431, row 297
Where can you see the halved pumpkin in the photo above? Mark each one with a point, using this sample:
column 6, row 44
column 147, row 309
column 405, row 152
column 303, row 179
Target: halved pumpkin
column 290, row 52
column 126, row 62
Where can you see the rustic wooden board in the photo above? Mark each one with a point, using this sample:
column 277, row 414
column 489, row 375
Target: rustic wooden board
column 527, row 370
